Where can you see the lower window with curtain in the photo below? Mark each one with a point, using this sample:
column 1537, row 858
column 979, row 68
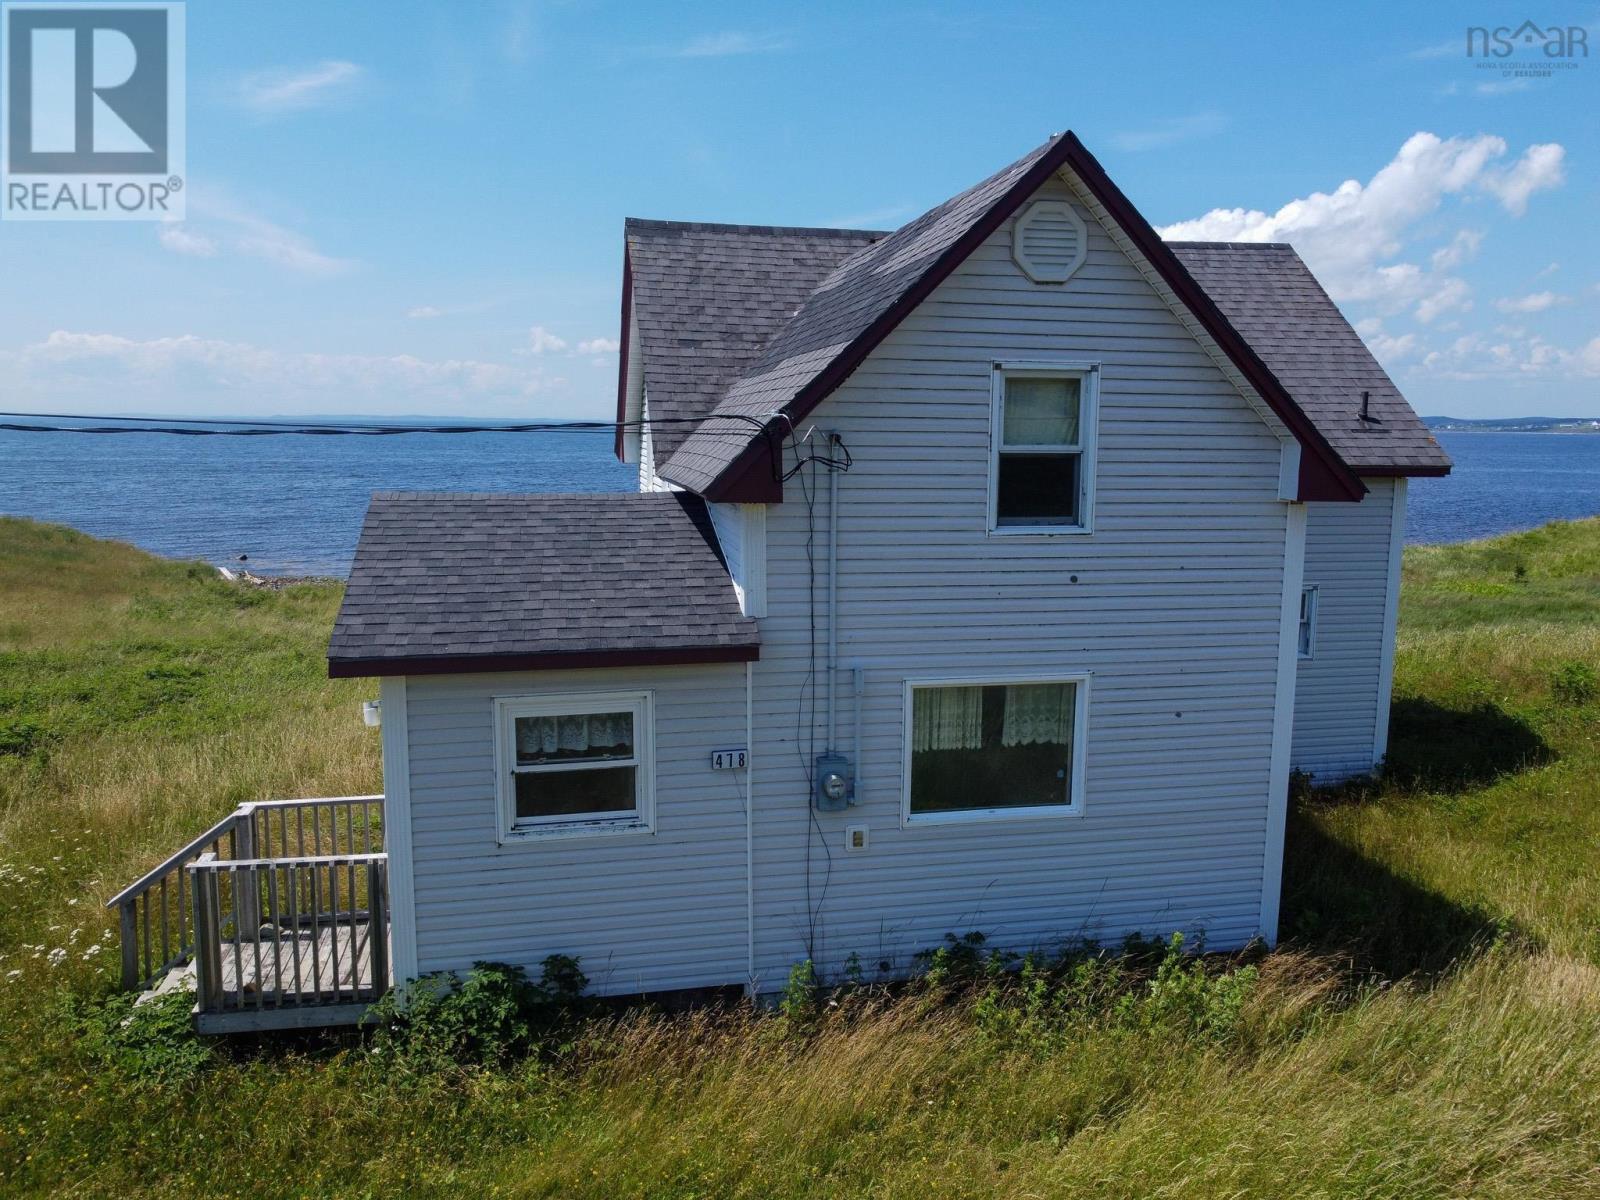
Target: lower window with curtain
column 574, row 763
column 994, row 749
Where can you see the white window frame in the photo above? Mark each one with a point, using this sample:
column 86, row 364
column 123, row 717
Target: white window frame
column 1080, row 733
column 1088, row 375
column 1308, row 607
column 641, row 820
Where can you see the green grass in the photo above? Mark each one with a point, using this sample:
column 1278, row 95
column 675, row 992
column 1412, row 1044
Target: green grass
column 1431, row 1028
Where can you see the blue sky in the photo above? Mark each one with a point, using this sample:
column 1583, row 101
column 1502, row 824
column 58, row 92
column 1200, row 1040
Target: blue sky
column 417, row 207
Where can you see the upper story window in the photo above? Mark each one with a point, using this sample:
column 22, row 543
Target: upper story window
column 574, row 764
column 1042, row 468
column 1308, row 622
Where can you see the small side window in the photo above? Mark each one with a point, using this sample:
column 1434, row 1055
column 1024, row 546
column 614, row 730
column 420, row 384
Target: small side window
column 1042, row 467
column 1308, row 622
column 574, row 764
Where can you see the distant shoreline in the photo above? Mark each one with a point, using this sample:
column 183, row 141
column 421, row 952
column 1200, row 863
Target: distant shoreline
column 1512, row 424
column 1505, row 429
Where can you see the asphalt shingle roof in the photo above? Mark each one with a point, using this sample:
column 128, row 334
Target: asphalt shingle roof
column 730, row 354
column 1271, row 297
column 842, row 307
column 710, row 297
column 462, row 581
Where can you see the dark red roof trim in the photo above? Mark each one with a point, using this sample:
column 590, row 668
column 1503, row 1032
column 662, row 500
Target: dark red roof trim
column 475, row 664
column 622, row 358
column 1323, row 474
column 1390, row 472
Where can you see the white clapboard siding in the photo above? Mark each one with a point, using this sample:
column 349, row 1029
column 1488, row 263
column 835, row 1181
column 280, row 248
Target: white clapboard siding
column 1173, row 604
column 728, row 521
column 643, row 912
column 1336, row 695
column 649, row 481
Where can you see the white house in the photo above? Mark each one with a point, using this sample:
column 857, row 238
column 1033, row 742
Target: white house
column 990, row 574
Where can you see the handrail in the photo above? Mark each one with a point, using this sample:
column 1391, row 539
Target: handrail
column 153, row 876
column 158, row 923
column 311, row 802
column 305, row 860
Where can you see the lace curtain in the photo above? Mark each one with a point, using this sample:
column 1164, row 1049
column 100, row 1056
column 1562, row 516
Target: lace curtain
column 1037, row 714
column 1040, row 412
column 541, row 737
column 949, row 718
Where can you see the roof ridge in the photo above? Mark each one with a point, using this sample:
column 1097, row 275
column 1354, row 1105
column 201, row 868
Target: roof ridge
column 1230, row 245
column 631, row 223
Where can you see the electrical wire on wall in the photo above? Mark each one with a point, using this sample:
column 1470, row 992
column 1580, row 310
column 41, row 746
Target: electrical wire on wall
column 837, row 458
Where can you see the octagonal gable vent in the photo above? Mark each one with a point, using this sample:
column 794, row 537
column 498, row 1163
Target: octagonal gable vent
column 1049, row 241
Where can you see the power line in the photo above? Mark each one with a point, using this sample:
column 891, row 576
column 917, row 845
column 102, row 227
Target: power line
column 198, row 427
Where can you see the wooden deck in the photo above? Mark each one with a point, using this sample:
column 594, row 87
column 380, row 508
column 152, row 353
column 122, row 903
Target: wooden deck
column 292, row 986
column 276, row 918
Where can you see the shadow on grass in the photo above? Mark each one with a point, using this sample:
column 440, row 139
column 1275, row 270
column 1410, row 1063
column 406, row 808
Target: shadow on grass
column 1338, row 901
column 1454, row 749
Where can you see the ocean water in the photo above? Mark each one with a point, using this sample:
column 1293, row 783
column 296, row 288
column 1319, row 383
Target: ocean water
column 293, row 505
column 1503, row 482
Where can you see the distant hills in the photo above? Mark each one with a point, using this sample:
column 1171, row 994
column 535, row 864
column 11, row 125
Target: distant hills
column 1516, row 424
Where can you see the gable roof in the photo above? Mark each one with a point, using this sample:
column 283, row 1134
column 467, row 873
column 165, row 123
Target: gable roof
column 1271, row 297
column 708, row 299
column 858, row 304
column 457, row 582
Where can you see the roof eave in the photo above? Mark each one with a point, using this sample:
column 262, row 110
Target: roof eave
column 622, row 358
column 475, row 664
column 1392, row 471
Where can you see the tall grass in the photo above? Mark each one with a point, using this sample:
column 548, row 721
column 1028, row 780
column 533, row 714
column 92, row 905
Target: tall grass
column 1431, row 1028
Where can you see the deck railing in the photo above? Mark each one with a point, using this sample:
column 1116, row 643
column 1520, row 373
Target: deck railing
column 156, row 912
column 289, row 933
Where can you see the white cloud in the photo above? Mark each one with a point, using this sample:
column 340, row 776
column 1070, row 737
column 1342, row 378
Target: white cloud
column 517, row 35
column 157, row 369
column 1438, row 50
column 1502, row 87
column 542, row 341
column 425, row 312
column 599, row 345
column 1462, row 248
column 1533, row 303
column 219, row 224
column 1352, row 236
column 294, row 89
column 262, row 239
column 1170, row 132
column 1448, row 295
column 1511, row 354
column 1387, row 347
column 1541, row 167
column 723, row 45
column 180, row 241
